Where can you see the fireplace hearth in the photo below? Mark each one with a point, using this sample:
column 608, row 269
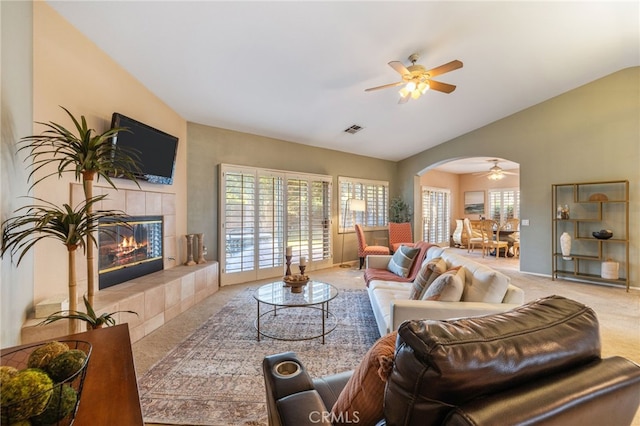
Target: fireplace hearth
column 129, row 251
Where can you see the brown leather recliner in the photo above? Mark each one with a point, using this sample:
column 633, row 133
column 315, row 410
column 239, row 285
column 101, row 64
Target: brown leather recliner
column 538, row 364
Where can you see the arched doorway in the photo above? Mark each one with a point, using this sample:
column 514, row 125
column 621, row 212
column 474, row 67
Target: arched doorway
column 472, row 188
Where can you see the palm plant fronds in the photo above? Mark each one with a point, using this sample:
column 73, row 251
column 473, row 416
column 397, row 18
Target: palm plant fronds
column 73, row 227
column 89, row 317
column 86, row 152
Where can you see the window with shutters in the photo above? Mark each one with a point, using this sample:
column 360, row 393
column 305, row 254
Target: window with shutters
column 263, row 212
column 504, row 204
column 376, row 197
column 436, row 215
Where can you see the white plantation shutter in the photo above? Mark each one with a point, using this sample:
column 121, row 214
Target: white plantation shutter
column 504, row 204
column 376, row 197
column 264, row 211
column 436, row 215
column 271, row 221
column 298, row 218
column 320, row 221
column 239, row 220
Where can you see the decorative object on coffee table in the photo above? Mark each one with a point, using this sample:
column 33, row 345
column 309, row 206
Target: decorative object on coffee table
column 296, row 282
column 288, row 257
column 303, row 265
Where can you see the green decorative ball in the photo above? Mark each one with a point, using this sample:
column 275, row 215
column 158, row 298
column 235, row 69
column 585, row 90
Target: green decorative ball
column 42, row 356
column 7, row 372
column 62, row 402
column 25, row 395
column 66, row 365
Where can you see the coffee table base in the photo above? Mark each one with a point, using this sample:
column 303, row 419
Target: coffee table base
column 329, row 323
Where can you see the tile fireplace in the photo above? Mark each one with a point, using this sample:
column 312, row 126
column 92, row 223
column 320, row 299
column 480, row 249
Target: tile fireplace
column 129, row 251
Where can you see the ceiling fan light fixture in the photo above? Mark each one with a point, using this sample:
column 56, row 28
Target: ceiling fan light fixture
column 423, row 87
column 411, row 86
column 415, row 94
column 495, row 175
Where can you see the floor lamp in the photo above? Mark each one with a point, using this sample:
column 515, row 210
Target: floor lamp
column 352, row 205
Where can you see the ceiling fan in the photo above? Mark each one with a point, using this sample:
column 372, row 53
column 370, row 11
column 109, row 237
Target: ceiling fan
column 417, row 79
column 495, row 172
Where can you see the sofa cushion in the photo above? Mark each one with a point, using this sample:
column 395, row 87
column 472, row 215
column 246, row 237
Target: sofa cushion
column 447, row 287
column 371, row 274
column 363, row 395
column 428, row 272
column 483, row 284
column 441, row 364
column 402, row 260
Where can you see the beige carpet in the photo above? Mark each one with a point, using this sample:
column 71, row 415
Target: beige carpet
column 617, row 310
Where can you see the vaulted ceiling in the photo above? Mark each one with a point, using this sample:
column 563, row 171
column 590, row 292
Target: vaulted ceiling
column 298, row 70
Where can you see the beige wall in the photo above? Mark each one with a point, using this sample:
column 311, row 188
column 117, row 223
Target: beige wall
column 69, row 70
column 591, row 133
column 16, row 284
column 210, row 146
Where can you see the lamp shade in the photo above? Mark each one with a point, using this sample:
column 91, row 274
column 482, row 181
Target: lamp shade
column 357, row 205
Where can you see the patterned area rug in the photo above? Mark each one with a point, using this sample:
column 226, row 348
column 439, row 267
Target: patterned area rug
column 214, row 377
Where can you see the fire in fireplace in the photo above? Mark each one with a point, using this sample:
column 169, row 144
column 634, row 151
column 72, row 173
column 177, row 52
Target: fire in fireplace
column 129, row 251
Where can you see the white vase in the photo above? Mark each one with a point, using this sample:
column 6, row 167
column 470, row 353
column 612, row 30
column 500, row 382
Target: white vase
column 565, row 245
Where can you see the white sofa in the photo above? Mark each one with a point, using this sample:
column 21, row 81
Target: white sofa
column 486, row 291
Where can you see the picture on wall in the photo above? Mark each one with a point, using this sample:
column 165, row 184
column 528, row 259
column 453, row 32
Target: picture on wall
column 474, row 202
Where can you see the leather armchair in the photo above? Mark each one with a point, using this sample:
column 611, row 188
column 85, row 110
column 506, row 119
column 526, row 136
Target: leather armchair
column 537, row 364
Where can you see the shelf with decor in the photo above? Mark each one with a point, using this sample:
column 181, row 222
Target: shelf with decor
column 590, row 232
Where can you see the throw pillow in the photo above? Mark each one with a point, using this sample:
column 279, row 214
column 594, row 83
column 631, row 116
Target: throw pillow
column 363, row 395
column 448, row 287
column 402, row 260
column 429, row 271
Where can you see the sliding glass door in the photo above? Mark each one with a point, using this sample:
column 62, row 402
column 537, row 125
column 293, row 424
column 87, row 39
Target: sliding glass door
column 265, row 211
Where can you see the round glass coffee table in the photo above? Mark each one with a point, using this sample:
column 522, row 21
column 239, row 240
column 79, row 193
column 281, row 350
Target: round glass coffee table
column 315, row 295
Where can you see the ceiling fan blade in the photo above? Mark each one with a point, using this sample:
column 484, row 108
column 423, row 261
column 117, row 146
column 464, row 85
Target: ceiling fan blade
column 400, row 68
column 453, row 65
column 441, row 87
column 384, row 86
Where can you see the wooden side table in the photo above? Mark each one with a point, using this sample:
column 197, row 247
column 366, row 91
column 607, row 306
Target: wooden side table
column 110, row 393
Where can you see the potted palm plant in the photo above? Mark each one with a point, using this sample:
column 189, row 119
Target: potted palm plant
column 72, row 227
column 92, row 320
column 85, row 153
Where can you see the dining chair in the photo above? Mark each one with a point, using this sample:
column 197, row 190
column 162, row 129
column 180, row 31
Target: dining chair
column 491, row 238
column 364, row 249
column 400, row 235
column 514, row 225
column 474, row 234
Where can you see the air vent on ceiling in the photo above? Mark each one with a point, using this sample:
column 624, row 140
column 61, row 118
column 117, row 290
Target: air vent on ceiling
column 353, row 129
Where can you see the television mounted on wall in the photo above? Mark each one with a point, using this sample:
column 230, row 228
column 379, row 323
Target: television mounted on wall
column 155, row 149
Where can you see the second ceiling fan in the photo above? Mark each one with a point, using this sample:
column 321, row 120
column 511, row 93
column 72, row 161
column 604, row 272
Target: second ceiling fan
column 418, row 80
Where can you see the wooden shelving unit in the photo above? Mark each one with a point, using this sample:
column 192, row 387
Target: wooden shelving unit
column 589, row 211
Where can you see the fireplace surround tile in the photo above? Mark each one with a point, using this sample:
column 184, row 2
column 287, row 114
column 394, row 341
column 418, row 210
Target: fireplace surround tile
column 135, row 202
column 132, row 295
column 153, row 203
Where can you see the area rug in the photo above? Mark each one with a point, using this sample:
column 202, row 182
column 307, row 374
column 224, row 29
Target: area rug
column 214, row 377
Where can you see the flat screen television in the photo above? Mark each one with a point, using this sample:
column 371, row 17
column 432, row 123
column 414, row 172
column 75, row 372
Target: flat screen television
column 156, row 150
